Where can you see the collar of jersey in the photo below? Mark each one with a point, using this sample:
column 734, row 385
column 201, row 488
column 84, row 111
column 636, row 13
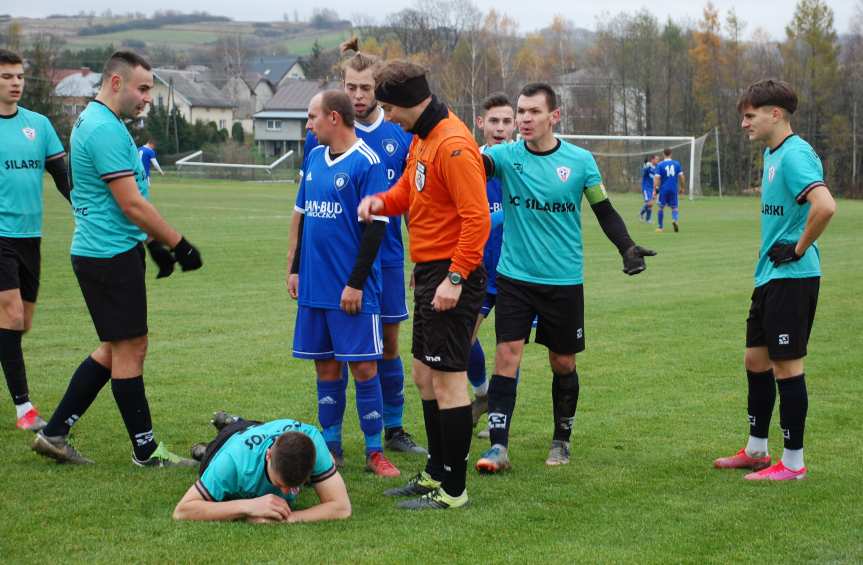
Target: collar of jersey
column 331, row 162
column 9, row 116
column 775, row 149
column 109, row 109
column 372, row 127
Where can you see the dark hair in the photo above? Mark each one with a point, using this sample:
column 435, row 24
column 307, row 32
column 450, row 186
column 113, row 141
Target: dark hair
column 397, row 72
column 358, row 61
column 293, row 456
column 534, row 88
column 667, row 151
column 121, row 62
column 495, row 100
column 769, row 92
column 10, row 58
column 337, row 101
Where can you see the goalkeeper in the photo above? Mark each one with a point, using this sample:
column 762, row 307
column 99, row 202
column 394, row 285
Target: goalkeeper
column 540, row 268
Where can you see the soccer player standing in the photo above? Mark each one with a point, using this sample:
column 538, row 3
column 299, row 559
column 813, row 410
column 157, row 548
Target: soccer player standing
column 796, row 207
column 29, row 146
column 668, row 181
column 147, row 154
column 443, row 188
column 113, row 216
column 540, row 270
column 648, row 170
column 336, row 274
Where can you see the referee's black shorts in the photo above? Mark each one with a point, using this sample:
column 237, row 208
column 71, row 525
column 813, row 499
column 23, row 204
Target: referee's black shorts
column 560, row 309
column 115, row 293
column 441, row 340
column 781, row 315
column 20, row 263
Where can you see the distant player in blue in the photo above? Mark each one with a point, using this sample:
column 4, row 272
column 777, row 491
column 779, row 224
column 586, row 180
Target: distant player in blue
column 147, row 154
column 254, row 471
column 336, row 273
column 29, row 147
column 648, row 170
column 668, row 182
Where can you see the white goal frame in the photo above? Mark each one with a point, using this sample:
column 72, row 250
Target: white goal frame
column 186, row 161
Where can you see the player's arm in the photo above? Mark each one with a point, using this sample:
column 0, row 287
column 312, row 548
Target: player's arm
column 393, row 202
column 681, row 182
column 352, row 295
column 615, row 230
column 293, row 278
column 155, row 163
column 463, row 176
column 193, row 506
column 334, row 502
column 656, row 182
column 820, row 213
column 56, row 167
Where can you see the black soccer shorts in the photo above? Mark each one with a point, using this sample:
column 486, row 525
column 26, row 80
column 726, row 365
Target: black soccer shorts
column 20, row 264
column 781, row 315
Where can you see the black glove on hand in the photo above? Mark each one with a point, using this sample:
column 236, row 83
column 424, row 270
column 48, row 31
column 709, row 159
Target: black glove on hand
column 783, row 252
column 161, row 255
column 633, row 259
column 187, row 255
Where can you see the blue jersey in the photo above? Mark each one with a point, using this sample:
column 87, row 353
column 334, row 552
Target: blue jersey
column 27, row 140
column 391, row 143
column 146, row 153
column 330, row 192
column 668, row 171
column 491, row 255
column 647, row 173
column 101, row 150
column 238, row 469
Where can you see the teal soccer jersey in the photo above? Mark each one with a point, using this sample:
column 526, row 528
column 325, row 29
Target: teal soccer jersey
column 790, row 172
column 27, row 140
column 102, row 151
column 542, row 196
column 237, row 470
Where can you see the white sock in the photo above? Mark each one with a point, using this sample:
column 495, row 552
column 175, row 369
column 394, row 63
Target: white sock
column 481, row 390
column 793, row 459
column 756, row 446
column 21, row 409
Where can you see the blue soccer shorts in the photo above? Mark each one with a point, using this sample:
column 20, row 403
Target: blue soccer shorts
column 647, row 193
column 322, row 333
column 668, row 198
column 394, row 307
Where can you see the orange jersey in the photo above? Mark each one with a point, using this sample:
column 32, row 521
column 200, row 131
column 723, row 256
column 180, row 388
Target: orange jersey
column 443, row 189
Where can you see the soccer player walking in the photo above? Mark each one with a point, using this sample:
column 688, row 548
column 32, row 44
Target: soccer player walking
column 113, row 217
column 29, row 146
column 796, row 207
column 540, row 270
column 648, row 171
column 443, row 188
column 147, row 154
column 668, row 181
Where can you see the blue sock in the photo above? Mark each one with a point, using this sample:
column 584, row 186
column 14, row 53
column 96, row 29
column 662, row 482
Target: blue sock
column 674, row 214
column 659, row 216
column 392, row 375
column 370, row 405
column 331, row 412
column 648, row 213
column 476, row 365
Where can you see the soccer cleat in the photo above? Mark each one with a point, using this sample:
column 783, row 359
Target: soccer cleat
column 741, row 460
column 403, row 442
column 378, row 464
column 483, row 433
column 776, row 472
column 58, row 448
column 676, row 228
column 478, row 407
column 222, row 419
column 198, row 450
column 437, row 499
column 494, row 460
column 31, row 421
column 337, row 455
column 164, row 458
column 418, row 485
column 658, row 230
column 558, row 454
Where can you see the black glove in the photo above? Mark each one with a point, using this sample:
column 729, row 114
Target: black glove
column 783, row 252
column 633, row 259
column 161, row 255
column 187, row 255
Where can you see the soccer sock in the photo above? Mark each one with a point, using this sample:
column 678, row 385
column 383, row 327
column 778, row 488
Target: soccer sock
column 659, row 217
column 132, row 401
column 431, row 415
column 760, row 401
column 649, row 213
column 392, row 374
column 674, row 215
column 331, row 412
column 370, row 405
column 456, row 425
column 642, row 211
column 12, row 360
column 476, row 365
column 501, row 404
column 793, row 405
column 84, row 386
column 564, row 397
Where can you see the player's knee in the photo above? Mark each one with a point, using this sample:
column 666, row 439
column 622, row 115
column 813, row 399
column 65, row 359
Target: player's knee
column 391, row 347
column 562, row 364
column 364, row 370
column 13, row 314
column 787, row 368
column 756, row 360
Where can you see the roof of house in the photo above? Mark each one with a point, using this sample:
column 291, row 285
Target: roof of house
column 296, row 94
column 83, row 83
column 192, row 86
column 271, row 68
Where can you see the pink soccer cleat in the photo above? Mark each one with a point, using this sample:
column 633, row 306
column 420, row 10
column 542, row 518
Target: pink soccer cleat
column 741, row 460
column 31, row 421
column 777, row 472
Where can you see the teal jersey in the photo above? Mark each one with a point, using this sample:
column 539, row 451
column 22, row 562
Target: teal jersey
column 27, row 140
column 542, row 196
column 237, row 471
column 102, row 151
column 790, row 172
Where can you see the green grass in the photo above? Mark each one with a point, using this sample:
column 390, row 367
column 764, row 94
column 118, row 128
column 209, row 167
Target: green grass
column 303, row 44
column 663, row 393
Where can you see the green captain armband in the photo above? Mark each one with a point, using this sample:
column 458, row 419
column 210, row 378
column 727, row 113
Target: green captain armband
column 595, row 194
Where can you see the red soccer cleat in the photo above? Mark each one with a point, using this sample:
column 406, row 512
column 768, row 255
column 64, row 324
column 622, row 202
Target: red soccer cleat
column 31, row 421
column 777, row 472
column 741, row 460
column 378, row 464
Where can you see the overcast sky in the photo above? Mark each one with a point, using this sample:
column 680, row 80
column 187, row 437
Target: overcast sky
column 771, row 15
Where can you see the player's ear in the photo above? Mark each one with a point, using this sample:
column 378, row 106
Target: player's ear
column 479, row 122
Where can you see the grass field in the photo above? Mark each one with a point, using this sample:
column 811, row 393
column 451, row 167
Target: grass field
column 663, row 393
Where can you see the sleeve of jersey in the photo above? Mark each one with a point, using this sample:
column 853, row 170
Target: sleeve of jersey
column 54, row 147
column 300, row 203
column 374, row 182
column 594, row 190
column 110, row 153
column 397, row 199
column 310, row 143
column 496, row 155
column 324, row 467
column 462, row 171
column 804, row 173
column 219, row 479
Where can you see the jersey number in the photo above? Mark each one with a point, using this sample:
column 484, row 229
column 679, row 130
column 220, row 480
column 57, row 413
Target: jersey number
column 669, row 170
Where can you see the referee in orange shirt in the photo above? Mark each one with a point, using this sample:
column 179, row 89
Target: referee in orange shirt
column 443, row 191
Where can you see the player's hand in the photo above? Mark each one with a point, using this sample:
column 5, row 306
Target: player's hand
column 187, row 255
column 267, row 508
column 413, row 282
column 446, row 296
column 352, row 300
column 633, row 259
column 293, row 285
column 161, row 255
column 783, row 252
column 368, row 206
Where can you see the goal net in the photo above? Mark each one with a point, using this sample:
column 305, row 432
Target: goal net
column 213, row 165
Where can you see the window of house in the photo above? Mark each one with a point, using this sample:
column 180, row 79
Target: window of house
column 223, row 124
column 274, row 125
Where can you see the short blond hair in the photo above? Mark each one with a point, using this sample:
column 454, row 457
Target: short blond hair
column 359, row 61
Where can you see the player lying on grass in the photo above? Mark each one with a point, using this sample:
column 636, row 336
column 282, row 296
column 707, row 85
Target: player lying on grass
column 253, row 471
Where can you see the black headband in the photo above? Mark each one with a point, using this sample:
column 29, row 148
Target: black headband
column 405, row 94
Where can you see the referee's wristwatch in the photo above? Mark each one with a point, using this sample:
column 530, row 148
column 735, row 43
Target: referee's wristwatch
column 455, row 278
